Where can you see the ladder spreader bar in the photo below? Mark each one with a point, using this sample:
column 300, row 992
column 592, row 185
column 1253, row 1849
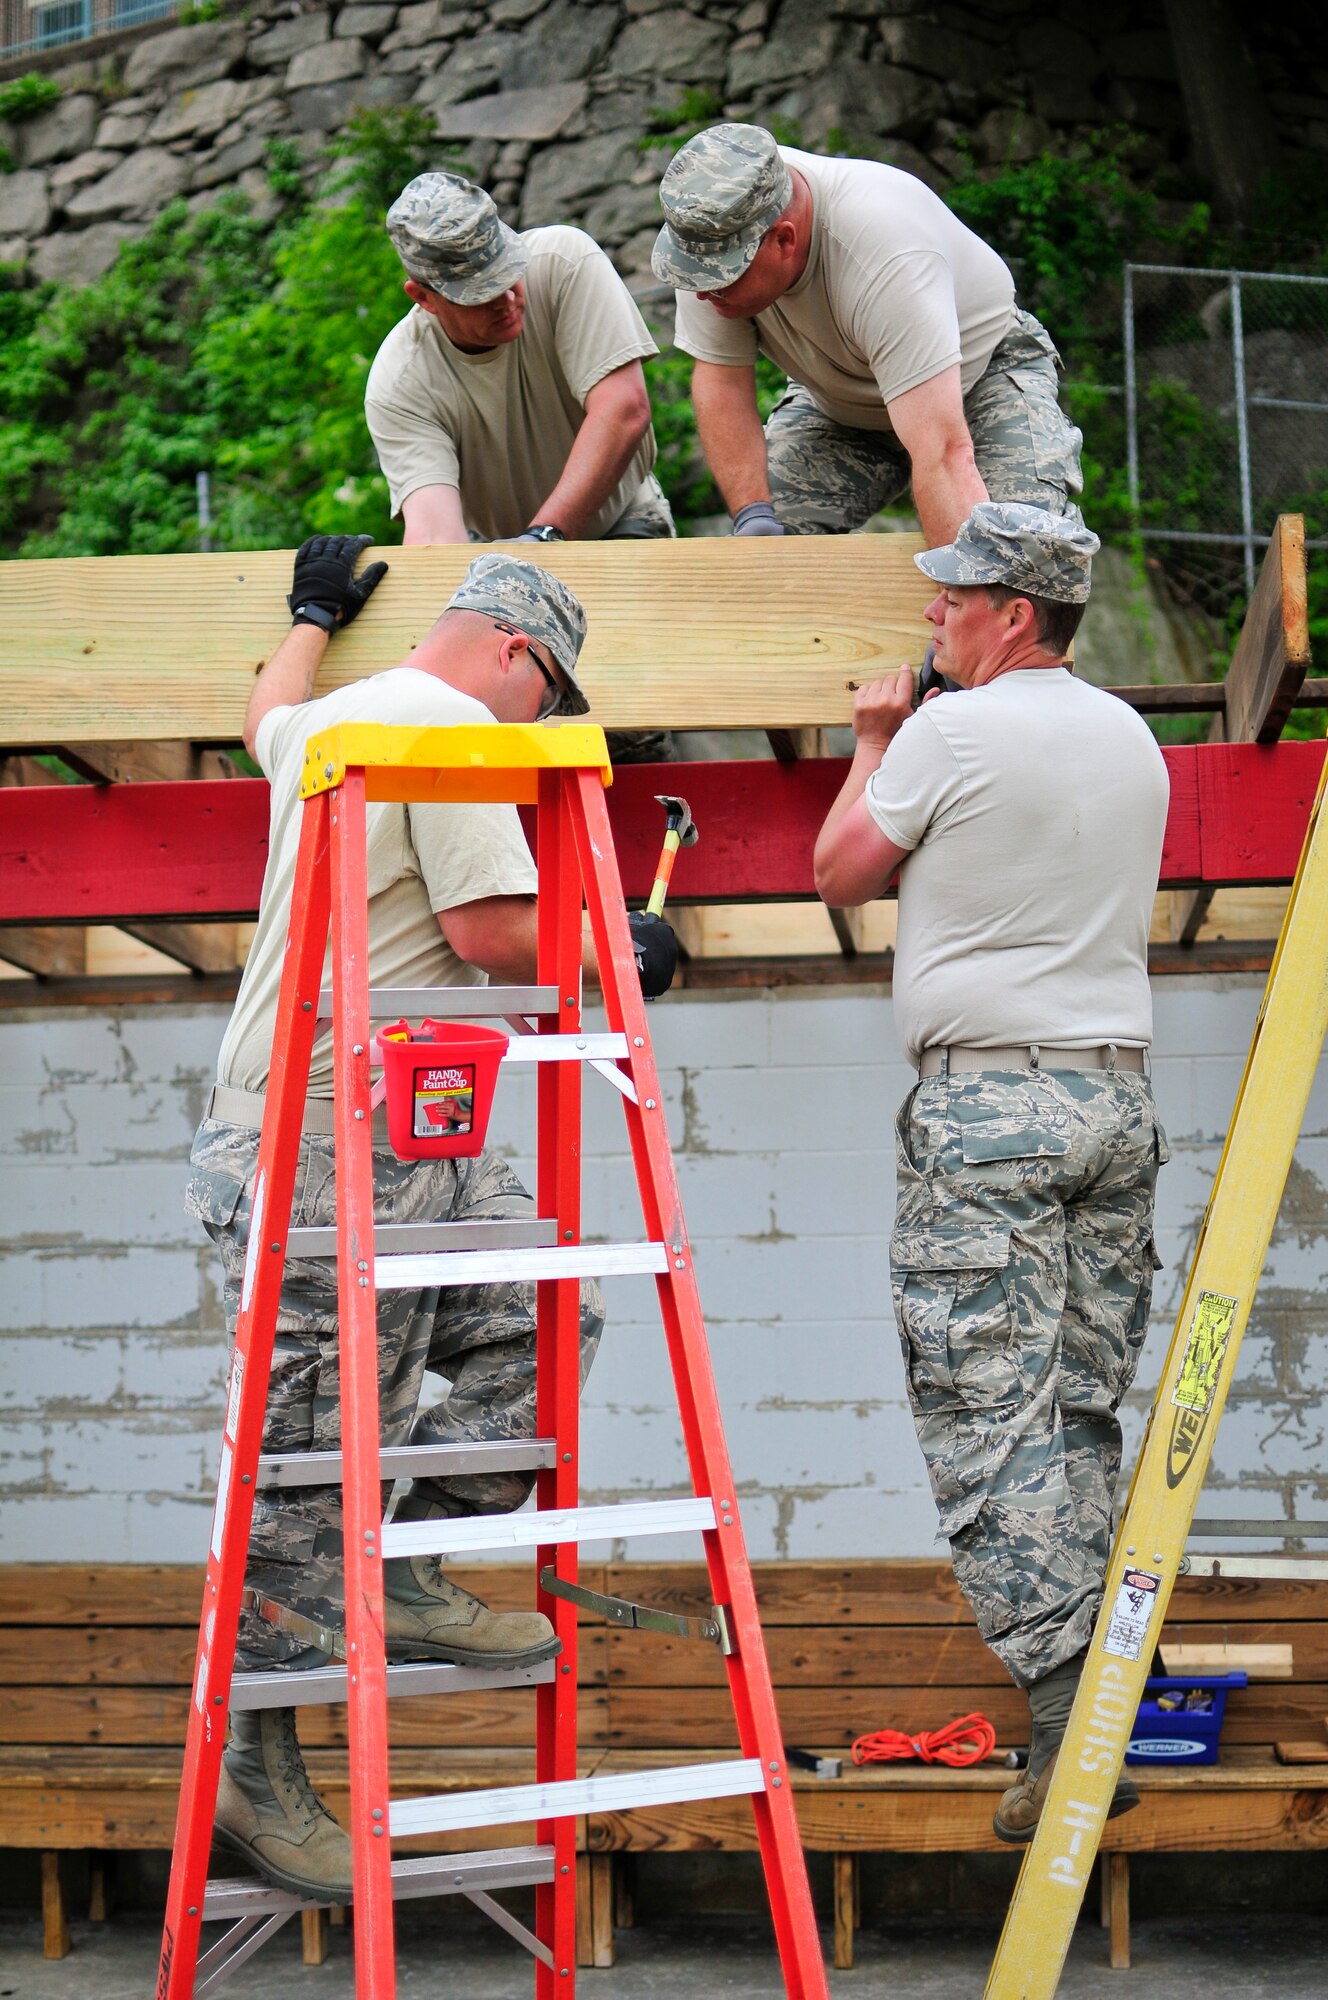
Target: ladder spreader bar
column 542, row 1527
column 492, row 1267
column 420, row 1875
column 539, row 1233
column 452, row 1003
column 509, row 1805
column 410, row 1461
column 565, row 1048
column 318, row 1686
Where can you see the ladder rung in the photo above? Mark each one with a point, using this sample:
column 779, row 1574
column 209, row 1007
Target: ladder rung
column 491, row 1267
column 451, row 1003
column 509, row 1805
column 410, row 1461
column 1289, row 1569
column 321, row 1685
column 540, row 1527
column 539, row 1233
column 228, row 1897
column 1273, row 1531
column 565, row 1048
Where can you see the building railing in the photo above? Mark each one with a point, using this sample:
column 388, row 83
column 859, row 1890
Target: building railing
column 35, row 27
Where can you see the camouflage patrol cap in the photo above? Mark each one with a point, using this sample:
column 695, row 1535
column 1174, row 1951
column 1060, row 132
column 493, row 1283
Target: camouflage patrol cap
column 450, row 237
column 1023, row 547
column 538, row 603
column 720, row 194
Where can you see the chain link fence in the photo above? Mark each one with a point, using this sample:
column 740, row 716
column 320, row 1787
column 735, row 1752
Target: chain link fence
column 1226, row 412
column 30, row 27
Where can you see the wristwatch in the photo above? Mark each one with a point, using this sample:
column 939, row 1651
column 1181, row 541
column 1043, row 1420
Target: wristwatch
column 543, row 531
column 314, row 614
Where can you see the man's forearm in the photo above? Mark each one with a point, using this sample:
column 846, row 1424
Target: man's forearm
column 728, row 424
column 287, row 679
column 601, row 453
column 946, row 489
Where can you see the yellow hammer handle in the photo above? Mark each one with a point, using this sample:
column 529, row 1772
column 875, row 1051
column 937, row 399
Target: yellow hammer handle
column 672, row 842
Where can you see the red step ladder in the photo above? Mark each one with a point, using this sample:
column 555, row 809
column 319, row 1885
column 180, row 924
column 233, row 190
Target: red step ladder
column 563, row 773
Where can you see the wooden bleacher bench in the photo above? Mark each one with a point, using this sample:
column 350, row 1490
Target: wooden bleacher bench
column 96, row 1666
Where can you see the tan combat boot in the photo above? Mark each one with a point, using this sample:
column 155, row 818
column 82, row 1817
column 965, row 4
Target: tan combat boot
column 1049, row 1703
column 268, row 1811
column 428, row 1617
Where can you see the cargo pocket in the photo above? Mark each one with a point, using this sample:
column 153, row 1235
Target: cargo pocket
column 212, row 1195
column 952, row 1306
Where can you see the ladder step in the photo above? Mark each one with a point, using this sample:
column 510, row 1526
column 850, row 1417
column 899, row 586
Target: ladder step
column 1265, row 1530
column 227, row 1898
column 541, row 1527
column 539, row 1233
column 491, row 1267
column 451, row 1003
column 327, row 1684
column 410, row 1461
column 565, row 1048
column 509, row 1805
column 1290, row 1569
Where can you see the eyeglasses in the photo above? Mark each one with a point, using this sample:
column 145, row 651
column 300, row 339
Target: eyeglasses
column 553, row 698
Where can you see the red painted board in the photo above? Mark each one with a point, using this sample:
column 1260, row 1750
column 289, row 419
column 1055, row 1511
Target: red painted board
column 1254, row 806
column 92, row 854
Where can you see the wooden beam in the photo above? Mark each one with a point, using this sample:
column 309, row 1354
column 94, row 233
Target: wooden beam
column 51, row 951
column 127, row 763
column 199, row 947
column 705, row 634
column 132, row 854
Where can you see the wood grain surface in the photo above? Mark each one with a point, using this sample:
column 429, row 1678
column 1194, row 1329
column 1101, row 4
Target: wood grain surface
column 702, row 634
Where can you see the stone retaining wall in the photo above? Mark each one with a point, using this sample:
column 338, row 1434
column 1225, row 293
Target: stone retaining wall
column 551, row 97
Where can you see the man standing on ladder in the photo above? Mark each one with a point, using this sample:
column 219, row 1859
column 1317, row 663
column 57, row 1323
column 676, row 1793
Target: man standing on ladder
column 1024, row 813
column 451, row 901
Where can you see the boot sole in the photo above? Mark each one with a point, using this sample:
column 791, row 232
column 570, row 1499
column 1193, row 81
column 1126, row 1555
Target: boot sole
column 1022, row 1837
column 310, row 1892
column 406, row 1652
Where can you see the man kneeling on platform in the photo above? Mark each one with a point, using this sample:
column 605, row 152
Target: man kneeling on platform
column 451, row 902
column 1024, row 813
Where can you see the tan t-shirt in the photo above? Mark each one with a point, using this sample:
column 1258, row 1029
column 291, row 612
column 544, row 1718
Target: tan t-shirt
column 422, row 859
column 1035, row 809
column 896, row 290
column 499, row 425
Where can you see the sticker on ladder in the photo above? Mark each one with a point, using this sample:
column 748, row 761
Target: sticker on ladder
column 1131, row 1613
column 233, row 1399
column 1205, row 1351
column 219, row 1511
column 255, row 1236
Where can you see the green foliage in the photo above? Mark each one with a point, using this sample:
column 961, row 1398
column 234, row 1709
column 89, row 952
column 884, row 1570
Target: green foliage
column 680, row 467
column 193, row 11
column 25, row 96
column 220, row 342
column 7, row 161
column 379, row 151
column 283, row 165
column 1068, row 222
column 672, row 125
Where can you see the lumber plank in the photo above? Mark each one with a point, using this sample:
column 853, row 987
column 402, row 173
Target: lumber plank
column 1118, row 1909
column 1272, row 654
column 106, row 854
column 56, row 1941
column 693, row 634
column 46, row 950
column 147, row 762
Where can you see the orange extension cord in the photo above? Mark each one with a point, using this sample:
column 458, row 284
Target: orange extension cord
column 966, row 1741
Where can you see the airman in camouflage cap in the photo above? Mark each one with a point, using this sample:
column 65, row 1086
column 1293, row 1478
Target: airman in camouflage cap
column 450, row 237
column 720, row 194
column 537, row 603
column 1023, row 547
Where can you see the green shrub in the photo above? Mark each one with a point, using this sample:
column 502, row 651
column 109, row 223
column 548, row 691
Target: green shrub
column 25, row 96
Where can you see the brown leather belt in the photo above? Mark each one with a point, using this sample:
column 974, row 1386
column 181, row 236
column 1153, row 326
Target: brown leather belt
column 245, row 1107
column 959, row 1058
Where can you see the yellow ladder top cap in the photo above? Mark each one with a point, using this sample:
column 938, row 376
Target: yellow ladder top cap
column 494, row 746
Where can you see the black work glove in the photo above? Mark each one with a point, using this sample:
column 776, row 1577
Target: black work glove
column 759, row 518
column 324, row 590
column 656, row 949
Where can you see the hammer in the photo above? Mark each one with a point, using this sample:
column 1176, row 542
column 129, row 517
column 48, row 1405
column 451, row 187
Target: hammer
column 680, row 830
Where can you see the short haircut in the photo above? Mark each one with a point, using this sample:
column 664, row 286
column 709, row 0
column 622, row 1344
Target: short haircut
column 1056, row 622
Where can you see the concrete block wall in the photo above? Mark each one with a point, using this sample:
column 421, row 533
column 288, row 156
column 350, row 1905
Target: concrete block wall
column 780, row 1106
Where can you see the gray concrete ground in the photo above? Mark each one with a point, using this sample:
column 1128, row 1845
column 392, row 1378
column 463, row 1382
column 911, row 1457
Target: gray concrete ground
column 448, row 1956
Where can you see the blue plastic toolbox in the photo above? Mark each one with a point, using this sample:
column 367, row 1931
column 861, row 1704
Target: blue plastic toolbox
column 1180, row 1718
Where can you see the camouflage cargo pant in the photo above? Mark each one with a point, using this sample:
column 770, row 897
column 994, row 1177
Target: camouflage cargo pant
column 648, row 517
column 826, row 479
column 481, row 1338
column 1022, row 1269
